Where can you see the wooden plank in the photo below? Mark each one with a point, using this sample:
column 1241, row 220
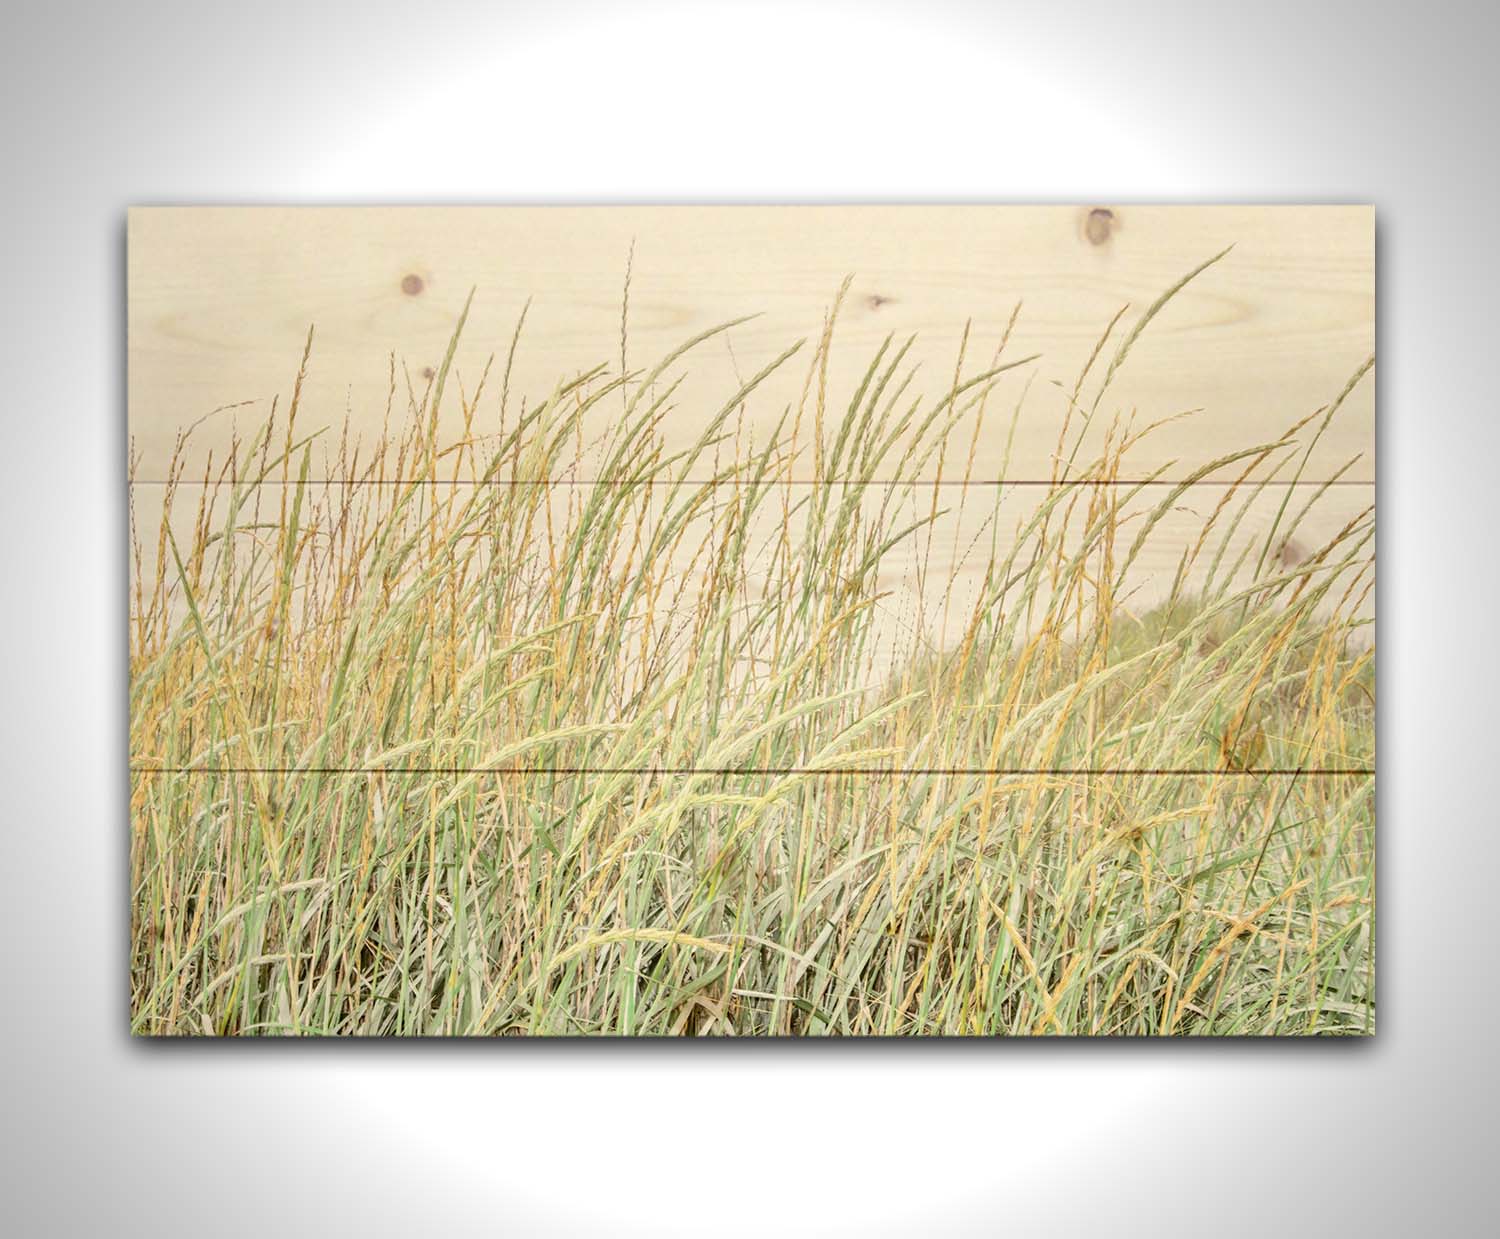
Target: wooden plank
column 1159, row 863
column 972, row 561
column 221, row 300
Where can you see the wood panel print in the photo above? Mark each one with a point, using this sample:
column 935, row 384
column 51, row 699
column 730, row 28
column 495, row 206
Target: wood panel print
column 730, row 621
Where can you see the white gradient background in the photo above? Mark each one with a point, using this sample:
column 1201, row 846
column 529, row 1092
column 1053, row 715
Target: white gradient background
column 107, row 106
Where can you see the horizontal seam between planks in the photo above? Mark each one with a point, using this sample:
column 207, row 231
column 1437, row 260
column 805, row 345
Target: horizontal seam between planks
column 943, row 482
column 883, row 771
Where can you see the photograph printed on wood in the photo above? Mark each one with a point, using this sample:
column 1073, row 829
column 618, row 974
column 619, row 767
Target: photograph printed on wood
column 752, row 621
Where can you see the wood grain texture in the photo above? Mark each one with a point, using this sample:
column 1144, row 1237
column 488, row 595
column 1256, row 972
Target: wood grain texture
column 221, row 300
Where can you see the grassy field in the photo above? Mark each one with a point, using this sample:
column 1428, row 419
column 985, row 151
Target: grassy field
column 547, row 731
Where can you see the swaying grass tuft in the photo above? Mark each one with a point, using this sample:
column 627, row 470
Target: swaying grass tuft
column 541, row 729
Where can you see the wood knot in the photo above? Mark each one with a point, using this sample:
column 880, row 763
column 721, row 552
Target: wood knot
column 1099, row 225
column 412, row 285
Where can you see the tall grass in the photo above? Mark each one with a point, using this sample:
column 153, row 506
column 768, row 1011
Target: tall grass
column 535, row 728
